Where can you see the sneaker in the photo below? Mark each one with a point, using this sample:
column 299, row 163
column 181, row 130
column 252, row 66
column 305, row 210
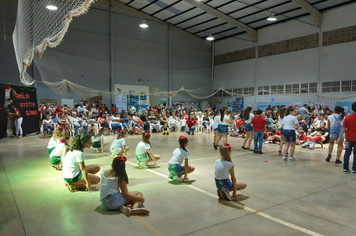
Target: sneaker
column 284, row 158
column 220, row 194
column 328, row 158
column 346, row 171
column 243, row 148
column 179, row 179
column 254, row 151
column 279, row 152
column 226, row 195
column 125, row 210
column 292, row 159
column 140, row 211
column 338, row 162
column 143, row 164
column 266, row 142
column 171, row 176
column 353, row 171
column 260, row 152
column 215, row 147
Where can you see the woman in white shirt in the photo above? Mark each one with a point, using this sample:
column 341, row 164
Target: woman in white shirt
column 247, row 116
column 173, row 121
column 290, row 124
column 223, row 127
column 76, row 175
column 223, row 168
column 335, row 122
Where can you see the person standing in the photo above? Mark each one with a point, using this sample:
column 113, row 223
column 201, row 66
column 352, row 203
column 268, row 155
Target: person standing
column 335, row 122
column 290, row 124
column 258, row 123
column 349, row 128
column 17, row 118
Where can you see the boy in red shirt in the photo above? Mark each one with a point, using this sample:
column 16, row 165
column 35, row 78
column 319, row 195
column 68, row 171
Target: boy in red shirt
column 313, row 140
column 258, row 123
column 302, row 138
column 349, row 128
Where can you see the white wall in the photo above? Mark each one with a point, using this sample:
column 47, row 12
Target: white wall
column 143, row 57
column 331, row 63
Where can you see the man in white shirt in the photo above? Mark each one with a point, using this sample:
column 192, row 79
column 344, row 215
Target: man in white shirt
column 80, row 109
column 132, row 109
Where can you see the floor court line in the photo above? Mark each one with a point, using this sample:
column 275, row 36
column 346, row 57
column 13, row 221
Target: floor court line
column 269, row 217
column 149, row 226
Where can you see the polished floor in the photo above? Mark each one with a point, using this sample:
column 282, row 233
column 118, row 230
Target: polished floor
column 308, row 197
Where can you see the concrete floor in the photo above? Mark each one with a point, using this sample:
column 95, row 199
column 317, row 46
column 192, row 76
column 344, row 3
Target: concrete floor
column 308, row 197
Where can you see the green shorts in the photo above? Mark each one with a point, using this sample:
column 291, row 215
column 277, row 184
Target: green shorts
column 50, row 150
column 75, row 179
column 143, row 157
column 96, row 145
column 55, row 160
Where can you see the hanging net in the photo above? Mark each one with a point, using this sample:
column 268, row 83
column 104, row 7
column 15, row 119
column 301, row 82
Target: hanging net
column 40, row 24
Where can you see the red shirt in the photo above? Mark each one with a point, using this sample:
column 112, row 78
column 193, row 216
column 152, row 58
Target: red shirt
column 278, row 132
column 350, row 125
column 17, row 116
column 113, row 110
column 238, row 123
column 303, row 137
column 258, row 123
column 191, row 122
column 316, row 139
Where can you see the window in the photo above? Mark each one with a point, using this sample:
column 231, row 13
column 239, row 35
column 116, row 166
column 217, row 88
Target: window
column 346, row 86
column 215, row 93
column 277, row 89
column 313, row 87
column 249, row 91
column 225, row 94
column 288, row 88
column 238, row 91
column 263, row 90
column 304, row 88
column 295, row 88
column 330, row 87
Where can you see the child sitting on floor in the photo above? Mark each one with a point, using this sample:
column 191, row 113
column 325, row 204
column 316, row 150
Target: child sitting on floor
column 223, row 167
column 55, row 139
column 55, row 158
column 302, row 138
column 114, row 180
column 174, row 165
column 143, row 151
column 98, row 140
column 312, row 141
column 165, row 129
column 138, row 128
column 118, row 146
column 234, row 131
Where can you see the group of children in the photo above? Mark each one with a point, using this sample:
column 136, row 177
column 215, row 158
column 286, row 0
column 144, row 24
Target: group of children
column 66, row 154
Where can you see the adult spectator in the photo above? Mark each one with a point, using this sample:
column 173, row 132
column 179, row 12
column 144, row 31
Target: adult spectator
column 17, row 119
column 349, row 128
column 113, row 108
column 80, row 109
column 324, row 131
column 48, row 125
column 132, row 109
column 54, row 118
column 269, row 108
column 46, row 111
column 303, row 111
column 77, row 123
column 94, row 111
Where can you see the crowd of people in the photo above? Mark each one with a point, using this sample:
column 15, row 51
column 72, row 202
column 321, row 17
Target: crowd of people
column 85, row 126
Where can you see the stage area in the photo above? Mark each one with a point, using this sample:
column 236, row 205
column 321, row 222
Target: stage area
column 308, row 197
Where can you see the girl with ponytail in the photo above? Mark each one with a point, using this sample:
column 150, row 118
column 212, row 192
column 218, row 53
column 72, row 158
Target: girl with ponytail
column 55, row 139
column 223, row 168
column 143, row 151
column 335, row 122
column 59, row 151
column 112, row 199
column 118, row 146
column 247, row 116
column 176, row 171
column 76, row 174
column 98, row 140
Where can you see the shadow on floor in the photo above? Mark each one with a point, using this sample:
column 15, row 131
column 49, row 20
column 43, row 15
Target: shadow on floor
column 181, row 183
column 100, row 209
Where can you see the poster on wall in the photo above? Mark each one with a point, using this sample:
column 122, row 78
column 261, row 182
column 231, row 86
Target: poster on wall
column 25, row 100
column 237, row 104
column 263, row 105
column 121, row 102
column 195, row 105
column 346, row 105
column 134, row 101
column 163, row 101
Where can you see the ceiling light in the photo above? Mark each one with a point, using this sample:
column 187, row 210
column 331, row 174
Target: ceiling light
column 143, row 24
column 210, row 38
column 272, row 17
column 51, row 7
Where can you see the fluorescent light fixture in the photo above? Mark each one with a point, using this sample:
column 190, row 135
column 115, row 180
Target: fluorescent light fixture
column 210, row 38
column 143, row 25
column 51, row 7
column 272, row 17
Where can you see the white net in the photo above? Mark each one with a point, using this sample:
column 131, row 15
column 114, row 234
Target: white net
column 42, row 23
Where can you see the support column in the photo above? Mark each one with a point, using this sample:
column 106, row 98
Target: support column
column 169, row 43
column 112, row 53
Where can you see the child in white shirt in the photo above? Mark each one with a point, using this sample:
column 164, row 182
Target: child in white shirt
column 175, row 168
column 118, row 146
column 223, row 167
column 55, row 158
column 143, row 151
